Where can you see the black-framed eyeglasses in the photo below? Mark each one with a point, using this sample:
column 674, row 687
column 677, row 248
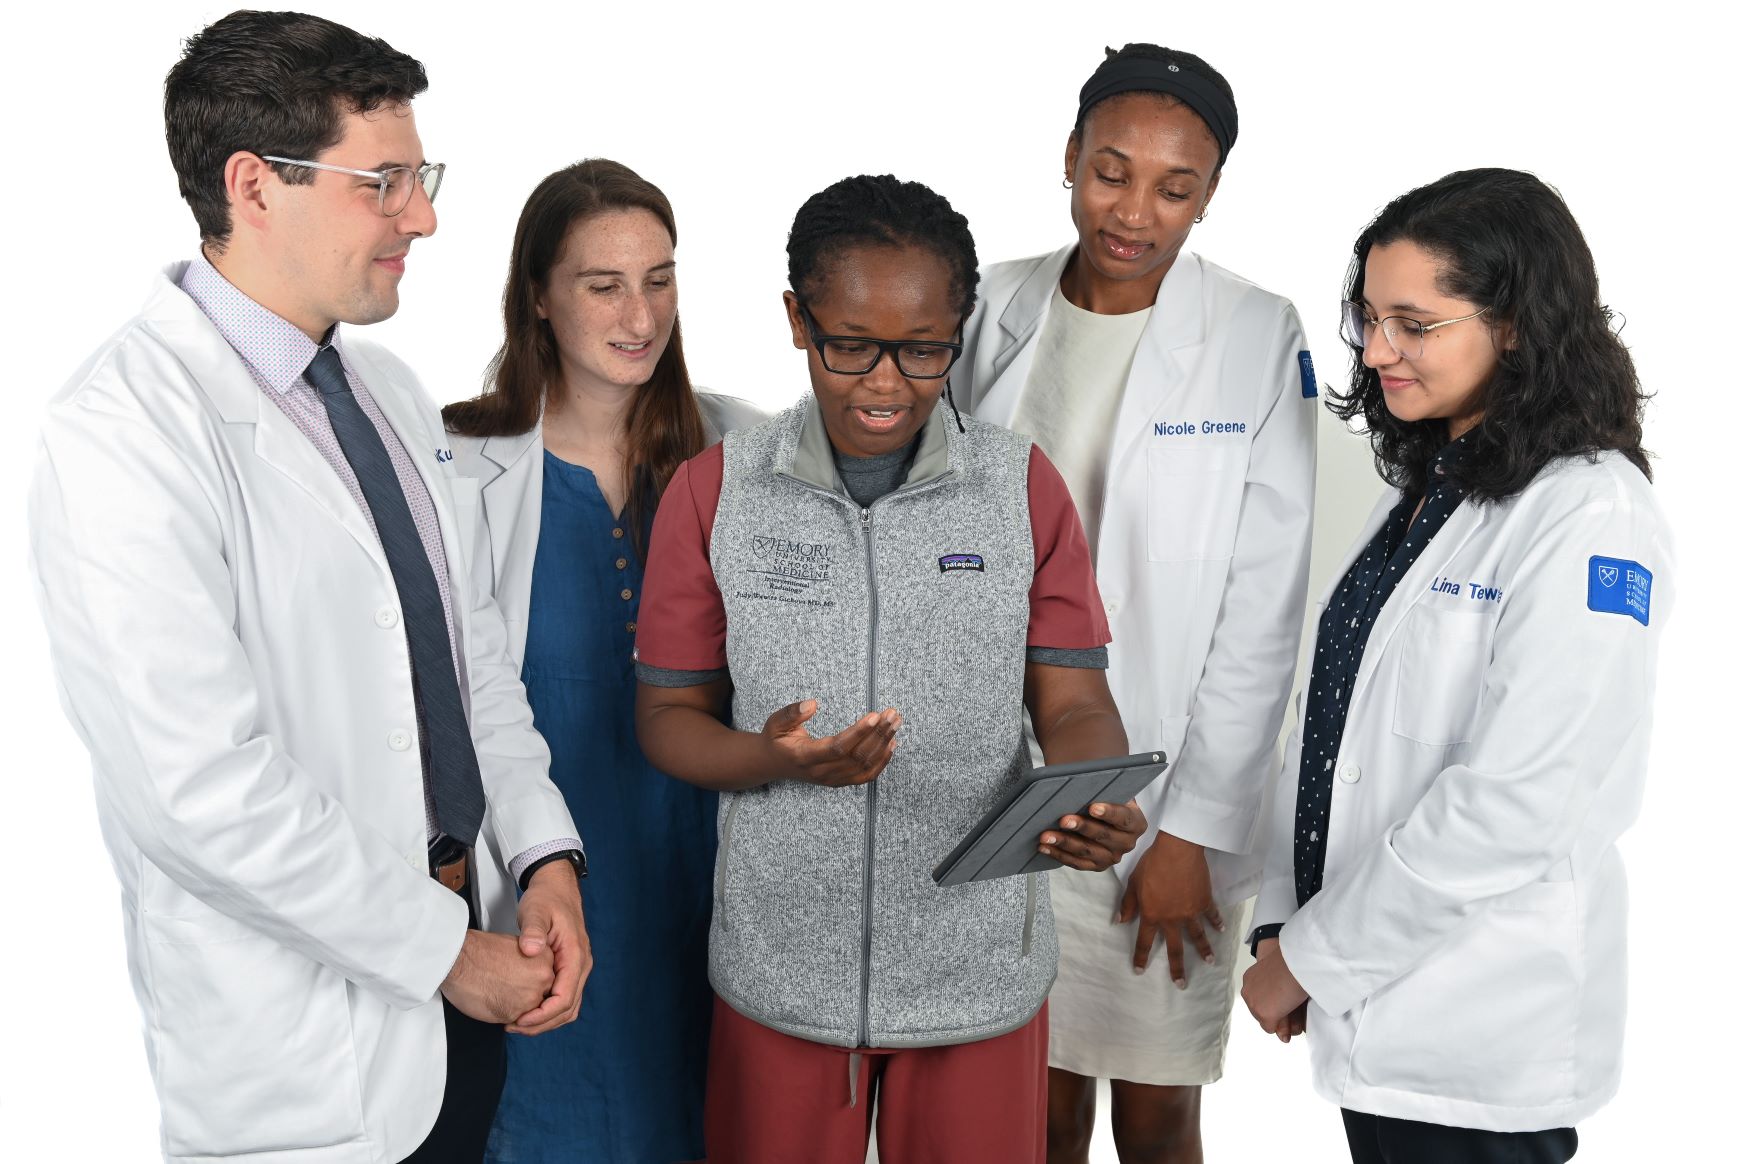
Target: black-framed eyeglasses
column 857, row 355
column 394, row 184
column 1405, row 335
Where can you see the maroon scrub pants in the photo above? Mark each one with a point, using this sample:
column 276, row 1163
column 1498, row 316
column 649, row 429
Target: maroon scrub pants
column 771, row 1098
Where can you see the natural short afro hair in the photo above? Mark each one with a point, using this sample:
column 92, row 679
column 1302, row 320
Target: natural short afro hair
column 880, row 210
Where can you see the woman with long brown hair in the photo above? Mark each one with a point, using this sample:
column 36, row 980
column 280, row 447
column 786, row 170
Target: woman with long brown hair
column 587, row 412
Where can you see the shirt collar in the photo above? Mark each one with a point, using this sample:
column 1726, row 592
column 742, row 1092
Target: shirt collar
column 276, row 350
column 1455, row 453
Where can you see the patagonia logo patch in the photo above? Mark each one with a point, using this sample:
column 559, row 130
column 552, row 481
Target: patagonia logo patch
column 1309, row 381
column 951, row 562
column 1619, row 586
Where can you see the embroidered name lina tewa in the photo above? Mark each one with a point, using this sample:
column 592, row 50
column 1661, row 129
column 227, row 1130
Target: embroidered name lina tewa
column 960, row 562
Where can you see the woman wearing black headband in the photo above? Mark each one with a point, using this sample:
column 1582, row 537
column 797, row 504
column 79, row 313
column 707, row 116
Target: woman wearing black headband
column 1178, row 400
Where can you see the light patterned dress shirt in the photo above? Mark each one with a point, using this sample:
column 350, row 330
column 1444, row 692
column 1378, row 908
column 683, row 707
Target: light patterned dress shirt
column 276, row 353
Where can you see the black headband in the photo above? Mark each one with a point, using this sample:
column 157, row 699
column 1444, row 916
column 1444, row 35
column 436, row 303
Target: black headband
column 1143, row 74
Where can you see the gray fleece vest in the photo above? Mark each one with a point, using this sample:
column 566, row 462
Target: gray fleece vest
column 827, row 925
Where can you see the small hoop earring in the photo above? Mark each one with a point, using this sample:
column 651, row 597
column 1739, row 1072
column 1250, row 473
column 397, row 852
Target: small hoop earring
column 1201, row 215
column 1067, row 184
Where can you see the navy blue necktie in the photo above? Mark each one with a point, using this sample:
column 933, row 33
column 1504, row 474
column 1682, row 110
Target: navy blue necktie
column 447, row 748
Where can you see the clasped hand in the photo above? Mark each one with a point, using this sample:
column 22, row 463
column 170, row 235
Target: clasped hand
column 533, row 982
column 861, row 752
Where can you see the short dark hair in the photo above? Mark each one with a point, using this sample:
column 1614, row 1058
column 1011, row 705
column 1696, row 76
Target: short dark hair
column 881, row 210
column 1188, row 62
column 271, row 83
column 1567, row 387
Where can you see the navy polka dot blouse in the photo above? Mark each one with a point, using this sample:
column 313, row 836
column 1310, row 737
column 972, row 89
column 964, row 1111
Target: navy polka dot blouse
column 1343, row 631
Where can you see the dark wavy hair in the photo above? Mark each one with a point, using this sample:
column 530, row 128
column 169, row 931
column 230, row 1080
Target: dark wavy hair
column 1507, row 243
column 664, row 426
column 275, row 83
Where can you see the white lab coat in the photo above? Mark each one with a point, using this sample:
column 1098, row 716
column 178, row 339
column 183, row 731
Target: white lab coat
column 1465, row 956
column 228, row 644
column 1204, row 540
column 508, row 469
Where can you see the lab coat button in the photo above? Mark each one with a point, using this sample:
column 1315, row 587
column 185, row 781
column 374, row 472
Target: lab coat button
column 1111, row 608
column 1349, row 773
column 387, row 617
column 400, row 741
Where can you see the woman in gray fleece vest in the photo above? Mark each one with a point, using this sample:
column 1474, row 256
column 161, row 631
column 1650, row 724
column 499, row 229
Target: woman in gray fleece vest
column 910, row 586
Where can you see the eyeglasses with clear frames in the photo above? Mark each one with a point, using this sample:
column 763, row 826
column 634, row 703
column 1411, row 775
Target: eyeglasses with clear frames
column 1405, row 335
column 857, row 355
column 394, row 185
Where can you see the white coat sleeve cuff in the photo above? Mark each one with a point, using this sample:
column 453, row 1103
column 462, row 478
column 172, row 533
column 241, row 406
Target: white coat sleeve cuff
column 1318, row 968
column 1276, row 903
column 1214, row 824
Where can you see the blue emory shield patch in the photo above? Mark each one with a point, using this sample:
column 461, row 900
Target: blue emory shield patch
column 1309, row 383
column 1619, row 586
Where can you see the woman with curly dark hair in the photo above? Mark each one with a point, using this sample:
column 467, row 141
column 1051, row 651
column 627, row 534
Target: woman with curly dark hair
column 1443, row 906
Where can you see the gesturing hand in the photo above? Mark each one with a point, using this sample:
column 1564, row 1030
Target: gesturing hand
column 495, row 983
column 550, row 916
column 1170, row 896
column 855, row 756
column 1273, row 994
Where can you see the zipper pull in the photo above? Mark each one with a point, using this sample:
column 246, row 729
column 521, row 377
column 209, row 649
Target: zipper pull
column 864, row 518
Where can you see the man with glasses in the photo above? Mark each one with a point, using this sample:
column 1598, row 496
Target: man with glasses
column 316, row 770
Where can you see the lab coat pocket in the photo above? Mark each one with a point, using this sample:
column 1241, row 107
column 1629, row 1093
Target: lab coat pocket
column 252, row 1042
column 1172, row 735
column 1491, row 1016
column 1194, row 500
column 1440, row 674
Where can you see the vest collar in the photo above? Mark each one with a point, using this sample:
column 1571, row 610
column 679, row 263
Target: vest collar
column 805, row 453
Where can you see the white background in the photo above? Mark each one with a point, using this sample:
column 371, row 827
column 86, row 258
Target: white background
column 739, row 113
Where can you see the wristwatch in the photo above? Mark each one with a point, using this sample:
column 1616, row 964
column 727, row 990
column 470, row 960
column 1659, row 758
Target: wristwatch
column 1274, row 929
column 573, row 857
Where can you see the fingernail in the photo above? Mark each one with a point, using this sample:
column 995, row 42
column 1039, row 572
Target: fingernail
column 1179, row 982
column 1135, row 969
column 1221, row 927
column 1049, row 838
column 1209, row 958
column 1045, row 850
column 1098, row 810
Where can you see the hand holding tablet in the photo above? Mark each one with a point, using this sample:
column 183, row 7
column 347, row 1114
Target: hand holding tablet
column 1006, row 841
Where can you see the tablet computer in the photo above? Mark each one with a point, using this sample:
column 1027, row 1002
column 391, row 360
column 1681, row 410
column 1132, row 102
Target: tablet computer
column 1006, row 841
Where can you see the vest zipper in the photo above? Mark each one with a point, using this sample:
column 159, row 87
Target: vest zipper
column 866, row 524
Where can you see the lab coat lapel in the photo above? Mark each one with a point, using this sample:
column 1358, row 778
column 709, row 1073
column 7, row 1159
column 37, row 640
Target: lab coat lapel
column 511, row 498
column 219, row 372
column 1168, row 347
column 398, row 403
column 1434, row 560
column 1020, row 323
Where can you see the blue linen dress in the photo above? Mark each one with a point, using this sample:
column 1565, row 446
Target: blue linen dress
column 625, row 1083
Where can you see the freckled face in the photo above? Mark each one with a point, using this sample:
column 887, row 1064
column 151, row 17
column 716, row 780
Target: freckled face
column 610, row 298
